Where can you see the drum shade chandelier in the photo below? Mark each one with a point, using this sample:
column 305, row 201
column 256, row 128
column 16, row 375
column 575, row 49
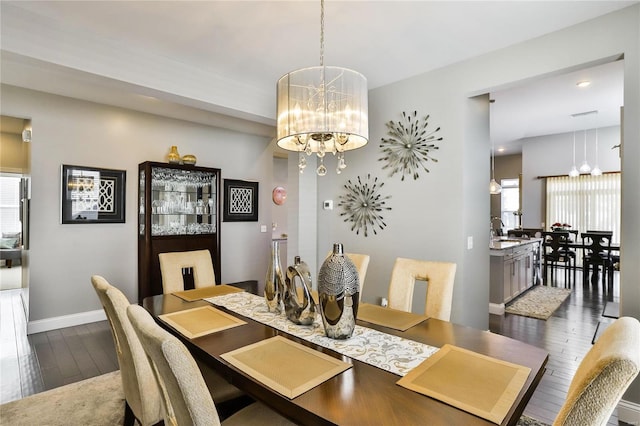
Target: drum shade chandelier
column 322, row 110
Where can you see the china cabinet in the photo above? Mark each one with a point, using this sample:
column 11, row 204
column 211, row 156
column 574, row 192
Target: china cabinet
column 178, row 210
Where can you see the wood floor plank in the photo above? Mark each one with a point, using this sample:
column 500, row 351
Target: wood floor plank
column 566, row 336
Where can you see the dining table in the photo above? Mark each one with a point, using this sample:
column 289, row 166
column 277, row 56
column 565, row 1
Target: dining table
column 365, row 391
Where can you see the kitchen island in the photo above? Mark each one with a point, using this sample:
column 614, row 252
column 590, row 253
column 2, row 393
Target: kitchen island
column 514, row 268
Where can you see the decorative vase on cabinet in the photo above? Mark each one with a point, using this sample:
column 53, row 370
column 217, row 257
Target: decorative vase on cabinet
column 338, row 293
column 172, row 217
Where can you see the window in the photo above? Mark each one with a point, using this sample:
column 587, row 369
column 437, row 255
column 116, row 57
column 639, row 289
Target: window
column 585, row 202
column 10, row 203
column 510, row 202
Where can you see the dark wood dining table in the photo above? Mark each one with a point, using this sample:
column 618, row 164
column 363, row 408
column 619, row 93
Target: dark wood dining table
column 363, row 394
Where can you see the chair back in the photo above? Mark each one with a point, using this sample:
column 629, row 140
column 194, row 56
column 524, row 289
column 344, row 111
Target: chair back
column 440, row 277
column 138, row 381
column 597, row 246
column 603, row 376
column 557, row 243
column 185, row 394
column 173, row 263
column 361, row 261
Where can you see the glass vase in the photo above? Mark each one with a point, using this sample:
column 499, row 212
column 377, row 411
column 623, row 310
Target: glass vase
column 274, row 283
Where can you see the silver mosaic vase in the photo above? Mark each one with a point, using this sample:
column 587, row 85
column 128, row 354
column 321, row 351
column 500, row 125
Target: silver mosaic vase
column 274, row 282
column 338, row 293
column 298, row 302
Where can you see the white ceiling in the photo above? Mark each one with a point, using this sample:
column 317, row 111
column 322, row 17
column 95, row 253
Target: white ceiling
column 207, row 61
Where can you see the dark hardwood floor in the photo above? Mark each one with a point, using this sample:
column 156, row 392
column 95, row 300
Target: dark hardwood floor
column 43, row 361
column 567, row 336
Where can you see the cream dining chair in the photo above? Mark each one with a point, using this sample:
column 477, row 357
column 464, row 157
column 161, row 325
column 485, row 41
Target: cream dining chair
column 361, row 262
column 141, row 391
column 172, row 264
column 602, row 377
column 439, row 276
column 186, row 398
column 140, row 388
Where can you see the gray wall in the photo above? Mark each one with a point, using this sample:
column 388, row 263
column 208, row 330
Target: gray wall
column 67, row 131
column 433, row 217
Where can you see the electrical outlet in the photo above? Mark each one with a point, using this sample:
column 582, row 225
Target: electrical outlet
column 263, row 228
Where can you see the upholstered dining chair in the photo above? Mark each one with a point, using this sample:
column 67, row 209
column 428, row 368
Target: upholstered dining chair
column 186, row 398
column 603, row 376
column 141, row 391
column 140, row 388
column 172, row 265
column 439, row 276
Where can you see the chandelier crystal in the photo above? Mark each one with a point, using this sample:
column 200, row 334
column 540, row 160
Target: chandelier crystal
column 322, row 110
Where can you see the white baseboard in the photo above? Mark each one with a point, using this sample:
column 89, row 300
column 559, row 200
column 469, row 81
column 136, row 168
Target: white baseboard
column 629, row 412
column 38, row 326
column 496, row 308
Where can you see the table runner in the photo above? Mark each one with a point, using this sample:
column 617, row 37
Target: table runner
column 391, row 353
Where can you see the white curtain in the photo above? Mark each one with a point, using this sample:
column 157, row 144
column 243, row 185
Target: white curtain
column 585, row 202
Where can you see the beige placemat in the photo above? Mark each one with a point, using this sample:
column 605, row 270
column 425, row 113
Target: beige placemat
column 476, row 383
column 387, row 317
column 285, row 366
column 197, row 322
column 205, row 292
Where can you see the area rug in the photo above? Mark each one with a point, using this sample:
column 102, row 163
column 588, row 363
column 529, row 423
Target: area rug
column 530, row 421
column 540, row 302
column 95, row 401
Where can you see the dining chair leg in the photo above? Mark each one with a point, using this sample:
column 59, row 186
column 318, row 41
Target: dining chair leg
column 129, row 417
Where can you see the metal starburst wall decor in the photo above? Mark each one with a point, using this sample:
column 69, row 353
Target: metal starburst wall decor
column 409, row 146
column 363, row 205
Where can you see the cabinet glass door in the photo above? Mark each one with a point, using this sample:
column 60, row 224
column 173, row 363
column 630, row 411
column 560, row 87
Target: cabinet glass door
column 183, row 202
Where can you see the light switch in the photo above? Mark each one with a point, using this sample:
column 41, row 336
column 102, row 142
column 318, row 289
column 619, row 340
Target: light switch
column 263, row 228
column 469, row 242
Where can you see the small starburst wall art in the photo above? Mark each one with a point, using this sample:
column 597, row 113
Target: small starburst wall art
column 363, row 205
column 409, row 146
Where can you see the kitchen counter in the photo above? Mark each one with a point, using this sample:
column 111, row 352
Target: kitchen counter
column 498, row 245
column 514, row 264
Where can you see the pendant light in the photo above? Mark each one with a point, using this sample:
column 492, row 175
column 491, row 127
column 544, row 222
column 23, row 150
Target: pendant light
column 596, row 170
column 585, row 168
column 322, row 110
column 574, row 171
column 494, row 187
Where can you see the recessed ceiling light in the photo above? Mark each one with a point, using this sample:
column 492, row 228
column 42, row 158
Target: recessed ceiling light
column 500, row 149
column 583, row 83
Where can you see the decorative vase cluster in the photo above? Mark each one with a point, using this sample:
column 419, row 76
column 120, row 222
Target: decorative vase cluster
column 174, row 157
column 338, row 292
